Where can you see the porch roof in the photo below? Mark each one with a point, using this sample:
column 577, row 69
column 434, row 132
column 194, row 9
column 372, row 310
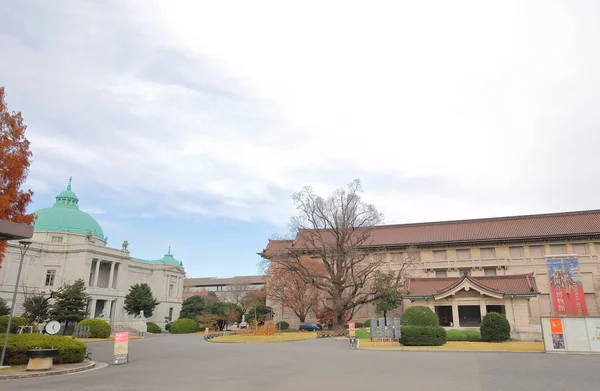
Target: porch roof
column 509, row 285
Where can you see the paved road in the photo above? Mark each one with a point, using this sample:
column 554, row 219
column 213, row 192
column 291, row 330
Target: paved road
column 186, row 362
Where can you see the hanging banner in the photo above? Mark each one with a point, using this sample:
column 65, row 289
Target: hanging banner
column 577, row 304
column 558, row 286
column 566, row 287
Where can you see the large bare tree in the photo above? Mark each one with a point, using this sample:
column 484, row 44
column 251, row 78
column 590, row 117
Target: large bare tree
column 338, row 230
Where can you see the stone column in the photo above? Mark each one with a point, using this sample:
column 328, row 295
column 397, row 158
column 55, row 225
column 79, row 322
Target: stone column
column 93, row 308
column 97, row 273
column 111, row 276
column 482, row 307
column 455, row 317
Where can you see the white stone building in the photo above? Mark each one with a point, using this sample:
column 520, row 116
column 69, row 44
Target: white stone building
column 69, row 244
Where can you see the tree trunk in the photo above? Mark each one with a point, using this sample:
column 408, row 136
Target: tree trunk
column 385, row 318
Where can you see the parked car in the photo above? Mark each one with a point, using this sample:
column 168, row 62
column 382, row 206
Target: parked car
column 309, row 326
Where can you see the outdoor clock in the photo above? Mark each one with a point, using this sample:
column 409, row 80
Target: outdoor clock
column 52, row 327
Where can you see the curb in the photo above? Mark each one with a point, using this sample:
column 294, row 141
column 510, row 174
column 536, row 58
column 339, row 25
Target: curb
column 90, row 366
column 293, row 340
column 452, row 351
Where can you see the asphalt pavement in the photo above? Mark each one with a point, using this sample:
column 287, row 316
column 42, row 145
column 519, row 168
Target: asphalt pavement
column 187, row 362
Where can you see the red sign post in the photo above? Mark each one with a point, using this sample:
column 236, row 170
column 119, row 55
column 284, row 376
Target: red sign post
column 121, row 350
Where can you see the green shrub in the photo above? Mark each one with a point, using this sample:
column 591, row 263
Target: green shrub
column 419, row 316
column 69, row 350
column 367, row 323
column 184, row 326
column 473, row 335
column 17, row 321
column 153, row 328
column 423, row 336
column 99, row 328
column 456, row 335
column 283, row 325
column 495, row 328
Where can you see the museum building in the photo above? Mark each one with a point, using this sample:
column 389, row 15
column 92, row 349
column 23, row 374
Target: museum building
column 69, row 244
column 522, row 266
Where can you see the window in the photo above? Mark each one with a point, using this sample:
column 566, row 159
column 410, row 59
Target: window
column 170, row 314
column 557, row 249
column 170, row 290
column 57, row 239
column 464, row 271
column 489, row 272
column 516, row 252
column 439, row 255
column 580, row 248
column 488, row 253
column 463, row 254
column 536, row 251
column 441, row 273
column 50, row 275
column 597, row 248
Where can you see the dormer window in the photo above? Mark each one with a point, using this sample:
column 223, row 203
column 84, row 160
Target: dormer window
column 56, row 239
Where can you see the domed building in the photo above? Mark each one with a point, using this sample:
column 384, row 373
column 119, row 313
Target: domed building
column 69, row 244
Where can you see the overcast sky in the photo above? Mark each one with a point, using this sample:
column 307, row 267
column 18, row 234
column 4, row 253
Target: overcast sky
column 190, row 123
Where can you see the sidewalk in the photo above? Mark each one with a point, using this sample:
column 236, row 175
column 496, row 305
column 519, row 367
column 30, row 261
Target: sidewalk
column 20, row 372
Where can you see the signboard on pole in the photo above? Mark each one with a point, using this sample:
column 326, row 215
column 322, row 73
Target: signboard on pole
column 571, row 334
column 352, row 328
column 121, row 351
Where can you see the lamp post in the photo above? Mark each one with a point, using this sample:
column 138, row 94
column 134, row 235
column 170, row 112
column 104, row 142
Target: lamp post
column 23, row 246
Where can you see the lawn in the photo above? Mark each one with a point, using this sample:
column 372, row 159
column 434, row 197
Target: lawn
column 510, row 346
column 283, row 337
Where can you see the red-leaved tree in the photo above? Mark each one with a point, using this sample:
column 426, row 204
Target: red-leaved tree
column 14, row 167
column 289, row 289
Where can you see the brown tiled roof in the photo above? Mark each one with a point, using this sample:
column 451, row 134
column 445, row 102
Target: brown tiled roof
column 275, row 247
column 518, row 284
column 528, row 227
column 213, row 281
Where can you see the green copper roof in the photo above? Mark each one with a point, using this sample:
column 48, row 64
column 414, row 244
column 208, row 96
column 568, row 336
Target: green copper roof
column 168, row 259
column 65, row 216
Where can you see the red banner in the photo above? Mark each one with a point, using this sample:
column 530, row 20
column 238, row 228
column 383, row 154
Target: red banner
column 558, row 287
column 566, row 287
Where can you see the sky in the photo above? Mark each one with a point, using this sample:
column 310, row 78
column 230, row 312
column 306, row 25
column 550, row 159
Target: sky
column 190, row 123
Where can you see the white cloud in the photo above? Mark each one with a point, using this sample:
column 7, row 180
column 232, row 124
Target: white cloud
column 450, row 110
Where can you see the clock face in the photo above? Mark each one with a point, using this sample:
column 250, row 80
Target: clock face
column 52, row 327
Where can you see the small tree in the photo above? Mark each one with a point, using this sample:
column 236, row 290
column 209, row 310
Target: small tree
column 140, row 299
column 70, row 303
column 193, row 306
column 495, row 328
column 4, row 308
column 389, row 296
column 36, row 308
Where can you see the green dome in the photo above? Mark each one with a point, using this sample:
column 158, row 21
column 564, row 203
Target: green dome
column 168, row 259
column 65, row 216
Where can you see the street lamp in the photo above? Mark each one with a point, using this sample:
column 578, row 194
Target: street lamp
column 23, row 246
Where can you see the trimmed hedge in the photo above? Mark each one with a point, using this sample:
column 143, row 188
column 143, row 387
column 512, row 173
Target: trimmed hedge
column 17, row 321
column 69, row 350
column 184, row 326
column 283, row 325
column 423, row 336
column 153, row 328
column 99, row 328
column 463, row 335
column 495, row 328
column 419, row 316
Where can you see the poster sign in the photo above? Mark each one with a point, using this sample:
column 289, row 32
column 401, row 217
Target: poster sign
column 352, row 328
column 566, row 287
column 556, row 330
column 121, row 351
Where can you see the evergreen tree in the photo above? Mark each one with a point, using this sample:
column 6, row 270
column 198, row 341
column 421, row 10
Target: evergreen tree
column 139, row 299
column 36, row 308
column 70, row 303
column 4, row 308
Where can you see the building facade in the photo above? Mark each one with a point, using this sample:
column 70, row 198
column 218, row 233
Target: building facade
column 514, row 265
column 226, row 289
column 69, row 244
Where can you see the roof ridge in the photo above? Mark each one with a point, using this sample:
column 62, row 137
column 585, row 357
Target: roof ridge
column 486, row 219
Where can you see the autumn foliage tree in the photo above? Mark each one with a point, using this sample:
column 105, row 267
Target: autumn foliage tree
column 291, row 290
column 14, row 167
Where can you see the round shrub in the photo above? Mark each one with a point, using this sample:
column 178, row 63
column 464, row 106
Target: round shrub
column 423, row 336
column 69, row 350
column 283, row 325
column 495, row 328
column 153, row 328
column 419, row 316
column 17, row 321
column 99, row 328
column 184, row 326
column 367, row 323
